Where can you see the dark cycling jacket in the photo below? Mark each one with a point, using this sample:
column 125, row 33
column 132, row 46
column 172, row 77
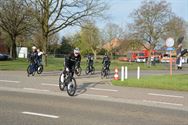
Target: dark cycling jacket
column 33, row 57
column 90, row 60
column 71, row 60
column 106, row 60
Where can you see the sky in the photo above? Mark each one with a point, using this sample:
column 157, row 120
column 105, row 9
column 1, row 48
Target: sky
column 120, row 10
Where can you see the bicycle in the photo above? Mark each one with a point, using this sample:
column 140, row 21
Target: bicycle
column 68, row 81
column 32, row 68
column 105, row 72
column 90, row 69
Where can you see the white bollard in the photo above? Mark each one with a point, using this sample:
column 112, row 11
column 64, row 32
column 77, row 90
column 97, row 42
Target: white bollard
column 122, row 73
column 126, row 73
column 138, row 72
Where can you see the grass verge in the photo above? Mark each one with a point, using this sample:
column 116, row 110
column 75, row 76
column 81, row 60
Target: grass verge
column 177, row 82
column 57, row 64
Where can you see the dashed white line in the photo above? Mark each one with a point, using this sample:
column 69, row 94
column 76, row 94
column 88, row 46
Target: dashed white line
column 9, row 81
column 164, row 95
column 40, row 114
column 48, row 84
column 103, row 96
column 164, row 103
column 99, row 89
column 32, row 89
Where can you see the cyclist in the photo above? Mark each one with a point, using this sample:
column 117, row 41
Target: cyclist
column 71, row 60
column 90, row 61
column 34, row 57
column 106, row 61
column 39, row 59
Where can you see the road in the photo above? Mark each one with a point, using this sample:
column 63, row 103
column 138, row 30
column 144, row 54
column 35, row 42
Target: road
column 38, row 101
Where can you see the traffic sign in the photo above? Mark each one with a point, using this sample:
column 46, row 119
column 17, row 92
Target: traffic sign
column 170, row 49
column 170, row 42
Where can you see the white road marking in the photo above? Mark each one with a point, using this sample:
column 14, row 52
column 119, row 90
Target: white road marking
column 111, row 90
column 32, row 89
column 48, row 84
column 164, row 103
column 171, row 96
column 40, row 114
column 10, row 81
column 103, row 96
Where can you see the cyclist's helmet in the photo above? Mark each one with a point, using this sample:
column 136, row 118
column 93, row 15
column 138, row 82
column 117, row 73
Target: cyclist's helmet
column 34, row 47
column 76, row 51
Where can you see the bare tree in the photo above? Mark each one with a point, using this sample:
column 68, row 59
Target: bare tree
column 176, row 28
column 90, row 37
column 55, row 15
column 186, row 38
column 53, row 42
column 111, row 32
column 15, row 20
column 150, row 22
column 37, row 39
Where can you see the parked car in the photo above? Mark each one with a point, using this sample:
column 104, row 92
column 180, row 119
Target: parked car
column 166, row 58
column 140, row 57
column 4, row 57
column 123, row 59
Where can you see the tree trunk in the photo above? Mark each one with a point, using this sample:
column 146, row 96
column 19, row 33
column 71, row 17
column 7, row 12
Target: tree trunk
column 10, row 51
column 149, row 58
column 45, row 49
column 95, row 53
column 111, row 54
column 13, row 52
column 46, row 29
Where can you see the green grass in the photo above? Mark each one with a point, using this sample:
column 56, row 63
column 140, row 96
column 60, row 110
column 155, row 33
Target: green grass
column 133, row 65
column 57, row 64
column 18, row 64
column 21, row 64
column 177, row 82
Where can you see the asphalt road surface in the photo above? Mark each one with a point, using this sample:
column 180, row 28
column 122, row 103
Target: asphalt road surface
column 38, row 101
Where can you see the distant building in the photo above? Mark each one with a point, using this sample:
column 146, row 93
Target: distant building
column 121, row 47
column 22, row 52
column 114, row 44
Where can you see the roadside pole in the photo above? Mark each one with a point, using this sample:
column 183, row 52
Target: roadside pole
column 170, row 44
column 171, row 64
column 126, row 73
column 122, row 73
column 138, row 73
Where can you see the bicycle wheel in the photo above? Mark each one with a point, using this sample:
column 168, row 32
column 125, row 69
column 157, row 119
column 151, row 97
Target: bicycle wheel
column 107, row 73
column 40, row 69
column 28, row 70
column 71, row 87
column 102, row 74
column 33, row 73
column 93, row 70
column 87, row 71
column 61, row 82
